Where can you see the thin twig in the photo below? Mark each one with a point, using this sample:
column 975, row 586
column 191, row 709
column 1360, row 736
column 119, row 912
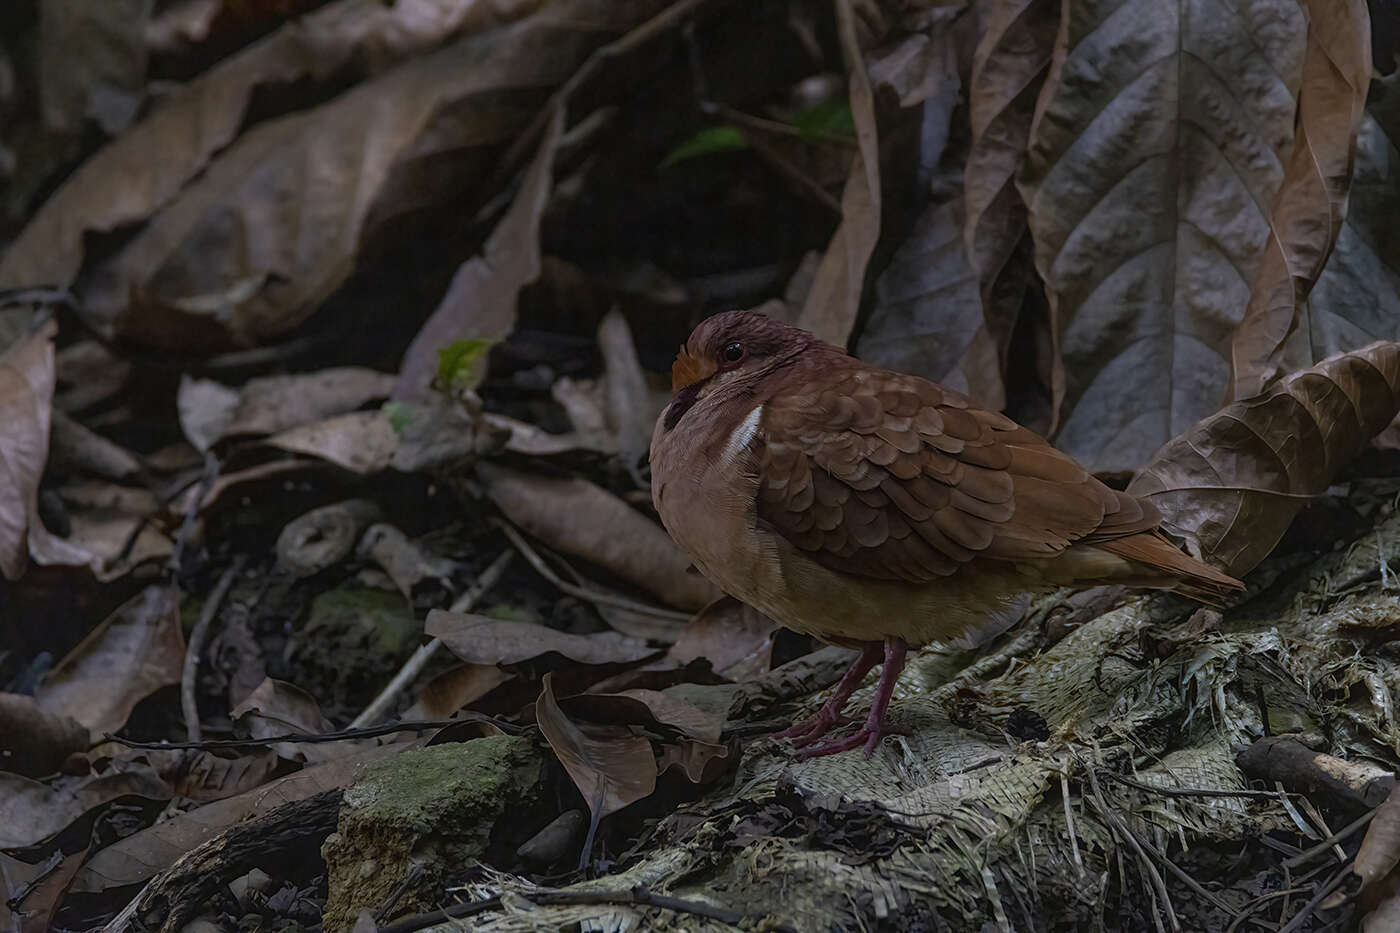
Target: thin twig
column 1310, row 907
column 638, row 896
column 1115, row 822
column 1345, row 832
column 1192, row 791
column 190, row 672
column 343, row 735
column 1255, row 904
column 606, row 599
column 187, row 525
column 420, row 658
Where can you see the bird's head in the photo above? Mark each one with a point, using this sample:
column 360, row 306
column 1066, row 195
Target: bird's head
column 731, row 350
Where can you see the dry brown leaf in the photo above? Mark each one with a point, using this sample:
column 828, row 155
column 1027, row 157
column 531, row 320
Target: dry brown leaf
column 736, row 638
column 702, row 762
column 582, row 519
column 480, row 301
column 1357, row 298
column 362, row 442
column 1154, row 153
column 136, row 650
column 1008, row 70
column 206, row 409
column 928, row 310
column 113, row 529
column 278, row 403
column 201, row 775
column 31, row 811
column 1380, row 848
column 229, row 262
column 26, row 391
column 456, row 688
column 92, row 62
column 834, row 298
column 88, row 373
column 632, row 407
column 1309, row 207
column 479, row 639
column 141, row 855
column 609, row 765
column 649, row 708
column 420, row 575
column 322, row 538
column 34, row 742
column 1232, row 483
column 73, row 447
column 276, row 707
column 31, row 909
column 159, row 156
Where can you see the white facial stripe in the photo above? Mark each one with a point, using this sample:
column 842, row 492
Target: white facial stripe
column 743, row 434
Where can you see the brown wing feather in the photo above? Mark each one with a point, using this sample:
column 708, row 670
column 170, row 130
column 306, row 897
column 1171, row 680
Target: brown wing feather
column 887, row 475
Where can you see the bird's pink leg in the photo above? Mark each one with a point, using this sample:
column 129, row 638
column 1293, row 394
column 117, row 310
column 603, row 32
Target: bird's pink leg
column 874, row 728
column 809, row 730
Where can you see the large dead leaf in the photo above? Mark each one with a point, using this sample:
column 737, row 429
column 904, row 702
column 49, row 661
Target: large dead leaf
column 1309, row 207
column 35, row 742
column 363, row 441
column 480, row 302
column 278, row 403
column 609, row 765
column 480, row 639
column 160, row 155
column 736, row 638
column 26, row 390
column 1231, row 484
column 1357, row 298
column 456, row 688
column 645, row 708
column 834, row 298
column 202, row 775
column 928, row 310
column 1153, row 157
column 31, row 811
column 580, row 518
column 141, row 855
column 1008, row 70
column 135, row 651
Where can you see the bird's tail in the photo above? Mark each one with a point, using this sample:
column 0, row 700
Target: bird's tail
column 1179, row 571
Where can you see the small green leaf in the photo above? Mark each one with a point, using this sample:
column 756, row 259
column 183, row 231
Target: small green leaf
column 400, row 415
column 832, row 117
column 706, row 142
column 462, row 363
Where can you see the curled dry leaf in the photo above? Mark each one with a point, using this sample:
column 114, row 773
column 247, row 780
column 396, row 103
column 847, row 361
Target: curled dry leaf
column 1232, row 483
column 322, row 538
column 276, row 707
column 160, row 155
column 650, row 708
column 141, row 855
column 26, row 390
column 632, row 407
column 420, row 575
column 202, row 775
column 834, row 298
column 479, row 639
column 136, row 650
column 609, row 765
column 34, row 742
column 92, row 62
column 736, row 638
column 114, row 529
column 480, row 301
column 702, row 762
column 206, row 409
column 75, row 448
column 1154, row 152
column 1309, row 207
column 456, row 688
column 582, row 519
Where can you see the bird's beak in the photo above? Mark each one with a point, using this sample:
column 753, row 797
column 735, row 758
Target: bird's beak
column 689, row 370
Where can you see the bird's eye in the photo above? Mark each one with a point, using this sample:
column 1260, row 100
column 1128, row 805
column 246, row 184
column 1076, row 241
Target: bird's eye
column 732, row 354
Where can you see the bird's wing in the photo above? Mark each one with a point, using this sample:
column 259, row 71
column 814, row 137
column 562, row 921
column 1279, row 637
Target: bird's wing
column 887, row 475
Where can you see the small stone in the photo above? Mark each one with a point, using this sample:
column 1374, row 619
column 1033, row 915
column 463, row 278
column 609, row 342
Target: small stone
column 556, row 842
column 256, row 880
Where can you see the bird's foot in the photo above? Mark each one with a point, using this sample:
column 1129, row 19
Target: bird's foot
column 809, row 730
column 869, row 736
